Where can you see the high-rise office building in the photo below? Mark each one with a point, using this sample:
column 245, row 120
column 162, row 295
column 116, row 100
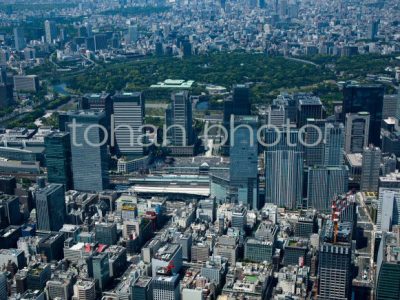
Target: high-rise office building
column 314, row 138
column 9, row 210
column 373, row 27
column 388, row 202
column 59, row 288
column 102, row 101
column 8, row 184
column 276, row 115
column 244, row 161
column 334, row 266
column 50, row 207
column 179, row 113
column 101, row 270
column 286, row 139
column 324, row 183
column 283, row 8
column 106, row 233
column 85, row 290
column 141, row 289
column 38, row 275
column 388, row 268
column 357, row 130
column 3, row 286
column 390, row 105
column 334, row 140
column 89, row 160
column 133, row 34
column 58, row 158
column 166, row 287
column 19, row 38
column 100, row 42
column 309, row 107
column 6, row 95
column 357, row 98
column 371, row 163
column 239, row 105
column 128, row 119
column 390, row 135
column 50, row 28
column 90, row 44
column 284, row 178
column 26, row 83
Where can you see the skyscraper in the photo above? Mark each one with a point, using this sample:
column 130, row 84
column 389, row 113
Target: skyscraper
column 141, row 289
column 89, row 160
column 373, row 27
column 357, row 130
column 3, row 286
column 179, row 113
column 133, row 34
column 166, row 287
column 388, row 202
column 244, row 161
column 286, row 139
column 100, row 42
column 371, row 163
column 334, row 266
column 309, row 107
column 50, row 207
column 128, row 118
column 334, row 139
column 388, row 268
column 239, row 105
column 101, row 270
column 51, row 31
column 284, row 178
column 390, row 104
column 58, row 158
column 19, row 38
column 314, row 155
column 357, row 97
column 325, row 182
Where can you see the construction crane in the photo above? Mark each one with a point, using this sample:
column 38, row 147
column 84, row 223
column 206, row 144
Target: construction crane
column 335, row 220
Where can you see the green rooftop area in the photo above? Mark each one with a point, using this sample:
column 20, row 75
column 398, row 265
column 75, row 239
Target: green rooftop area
column 251, row 278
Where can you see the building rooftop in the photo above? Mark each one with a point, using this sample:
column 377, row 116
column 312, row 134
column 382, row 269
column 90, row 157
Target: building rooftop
column 354, row 159
column 166, row 252
column 343, row 235
column 143, row 281
column 11, row 252
column 172, row 83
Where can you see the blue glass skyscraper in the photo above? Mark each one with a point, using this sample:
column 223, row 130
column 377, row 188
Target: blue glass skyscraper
column 244, row 160
column 58, row 158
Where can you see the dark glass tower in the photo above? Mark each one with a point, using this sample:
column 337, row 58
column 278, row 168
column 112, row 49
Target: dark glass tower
column 50, row 207
column 239, row 105
column 58, row 158
column 308, row 107
column 357, row 98
column 141, row 289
